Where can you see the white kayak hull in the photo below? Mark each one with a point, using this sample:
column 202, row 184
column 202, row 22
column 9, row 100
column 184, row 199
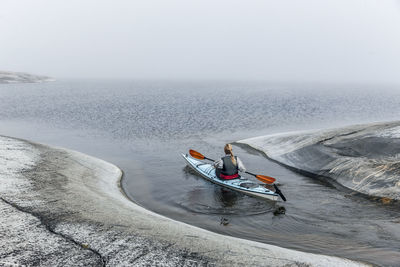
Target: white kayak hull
column 248, row 187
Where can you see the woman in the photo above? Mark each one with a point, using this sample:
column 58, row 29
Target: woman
column 227, row 167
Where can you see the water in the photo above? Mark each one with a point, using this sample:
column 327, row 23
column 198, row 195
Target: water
column 143, row 126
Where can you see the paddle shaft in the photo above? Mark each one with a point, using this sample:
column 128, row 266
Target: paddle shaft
column 209, row 159
column 250, row 173
column 255, row 175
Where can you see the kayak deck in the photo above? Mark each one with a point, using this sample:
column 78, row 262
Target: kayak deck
column 242, row 185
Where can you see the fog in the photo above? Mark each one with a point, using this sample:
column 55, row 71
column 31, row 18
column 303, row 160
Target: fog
column 308, row 40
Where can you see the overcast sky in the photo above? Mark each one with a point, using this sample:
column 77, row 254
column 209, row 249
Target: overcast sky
column 307, row 40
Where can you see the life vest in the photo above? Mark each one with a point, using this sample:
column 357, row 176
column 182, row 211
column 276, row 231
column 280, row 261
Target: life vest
column 229, row 170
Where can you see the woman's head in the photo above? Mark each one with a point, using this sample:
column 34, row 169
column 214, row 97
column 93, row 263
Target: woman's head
column 228, row 150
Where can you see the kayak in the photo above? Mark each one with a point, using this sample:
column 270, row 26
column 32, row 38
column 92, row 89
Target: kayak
column 243, row 185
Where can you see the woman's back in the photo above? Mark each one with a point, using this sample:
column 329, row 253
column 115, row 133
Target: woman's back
column 229, row 165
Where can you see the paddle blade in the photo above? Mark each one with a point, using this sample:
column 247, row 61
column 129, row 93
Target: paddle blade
column 279, row 192
column 265, row 179
column 196, row 154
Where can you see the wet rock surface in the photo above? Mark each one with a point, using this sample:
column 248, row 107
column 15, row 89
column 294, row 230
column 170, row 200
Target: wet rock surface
column 363, row 158
column 64, row 208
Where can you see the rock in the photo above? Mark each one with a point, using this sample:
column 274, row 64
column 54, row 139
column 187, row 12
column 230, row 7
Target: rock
column 20, row 77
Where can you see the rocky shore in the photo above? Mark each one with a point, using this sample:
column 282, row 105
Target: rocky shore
column 363, row 158
column 20, row 77
column 63, row 208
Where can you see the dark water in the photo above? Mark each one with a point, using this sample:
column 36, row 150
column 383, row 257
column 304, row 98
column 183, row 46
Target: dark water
column 144, row 126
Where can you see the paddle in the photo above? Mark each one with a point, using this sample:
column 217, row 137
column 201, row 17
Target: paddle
column 262, row 178
column 279, row 192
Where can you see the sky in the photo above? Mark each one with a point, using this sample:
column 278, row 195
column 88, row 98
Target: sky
column 287, row 40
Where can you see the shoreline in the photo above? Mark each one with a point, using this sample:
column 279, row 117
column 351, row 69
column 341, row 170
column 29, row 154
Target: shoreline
column 8, row 77
column 81, row 211
column 361, row 158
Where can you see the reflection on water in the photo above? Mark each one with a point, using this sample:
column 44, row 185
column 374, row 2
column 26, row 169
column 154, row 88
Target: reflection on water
column 214, row 199
column 226, row 197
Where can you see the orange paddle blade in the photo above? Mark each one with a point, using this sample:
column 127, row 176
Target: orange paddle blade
column 196, row 154
column 265, row 179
